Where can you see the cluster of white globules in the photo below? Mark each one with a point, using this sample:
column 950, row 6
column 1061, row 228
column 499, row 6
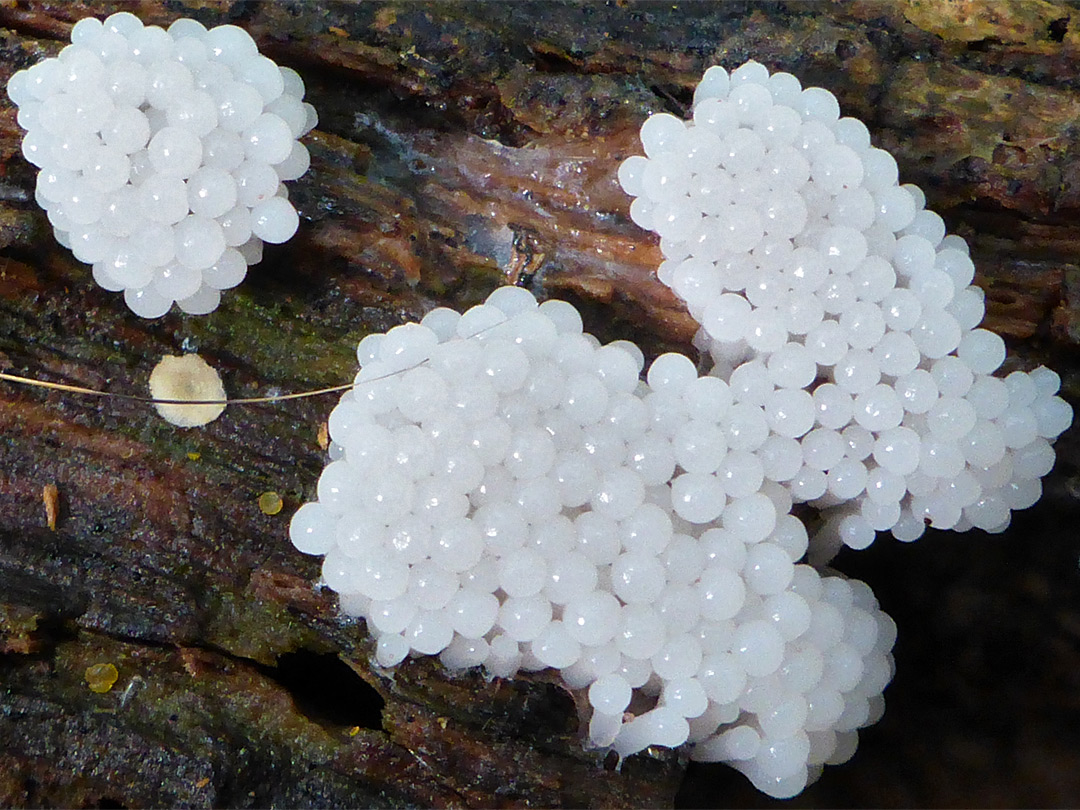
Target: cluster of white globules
column 837, row 307
column 162, row 155
column 505, row 492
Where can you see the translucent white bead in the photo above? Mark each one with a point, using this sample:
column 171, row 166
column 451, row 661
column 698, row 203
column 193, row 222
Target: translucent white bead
column 721, row 593
column 827, row 343
column 714, row 84
column 792, row 366
column 936, row 333
column 951, row 418
column 463, row 653
column 146, row 303
column 727, row 318
column 952, row 376
column 818, row 103
column 983, row 351
column 759, row 647
column 674, row 220
column 163, row 199
column 715, row 115
column 211, row 192
column 864, row 324
column 660, row 726
column 897, row 449
column 597, row 537
column 741, row 150
column 310, row 529
column 223, row 150
column 765, row 331
column 1018, row 425
column 569, row 575
column 229, row 43
column 658, row 132
column 176, row 281
column 637, row 578
column 858, row 442
column 778, row 125
column 837, row 168
column 896, row 354
column 175, row 151
column 741, row 473
column 592, row 618
column 199, row 242
column 630, row 175
column 1053, row 416
column 747, row 427
column 274, row 220
column 194, row 111
column 880, row 170
column 90, row 244
column 665, row 177
column 429, row 633
column 751, row 383
column 781, row 458
column 203, row 302
column 39, row 82
column 790, row 412
column 768, row 569
column 857, row 371
column 524, row 618
column 256, row 182
column 879, row 408
column 686, row 696
column 126, row 129
column 699, row 447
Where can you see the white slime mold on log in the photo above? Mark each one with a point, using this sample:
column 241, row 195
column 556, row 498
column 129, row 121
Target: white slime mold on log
column 516, row 497
column 505, row 492
column 162, row 155
column 810, row 269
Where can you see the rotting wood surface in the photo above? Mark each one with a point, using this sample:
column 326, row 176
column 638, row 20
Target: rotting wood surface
column 460, row 147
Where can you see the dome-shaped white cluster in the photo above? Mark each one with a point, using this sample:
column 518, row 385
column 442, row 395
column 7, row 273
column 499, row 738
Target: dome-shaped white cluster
column 506, row 492
column 840, row 312
column 162, row 155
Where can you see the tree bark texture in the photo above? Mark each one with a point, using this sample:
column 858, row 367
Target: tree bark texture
column 462, row 146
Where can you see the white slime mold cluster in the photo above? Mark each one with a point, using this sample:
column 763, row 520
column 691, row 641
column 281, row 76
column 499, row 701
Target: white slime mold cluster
column 506, row 492
column 834, row 303
column 162, row 155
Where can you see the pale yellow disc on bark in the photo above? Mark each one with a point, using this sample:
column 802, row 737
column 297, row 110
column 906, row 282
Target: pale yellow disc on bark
column 190, row 378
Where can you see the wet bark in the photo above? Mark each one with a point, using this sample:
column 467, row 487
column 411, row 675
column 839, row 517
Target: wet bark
column 460, row 147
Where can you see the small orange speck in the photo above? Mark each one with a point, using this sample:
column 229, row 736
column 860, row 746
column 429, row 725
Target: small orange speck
column 101, row 677
column 203, row 782
column 354, row 731
column 323, row 439
column 51, row 496
column 338, row 32
column 194, row 456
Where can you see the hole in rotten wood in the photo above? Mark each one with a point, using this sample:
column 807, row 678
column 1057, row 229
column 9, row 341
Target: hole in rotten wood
column 1058, row 29
column 327, row 691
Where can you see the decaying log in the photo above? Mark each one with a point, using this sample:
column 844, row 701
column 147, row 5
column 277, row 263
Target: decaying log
column 462, row 146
